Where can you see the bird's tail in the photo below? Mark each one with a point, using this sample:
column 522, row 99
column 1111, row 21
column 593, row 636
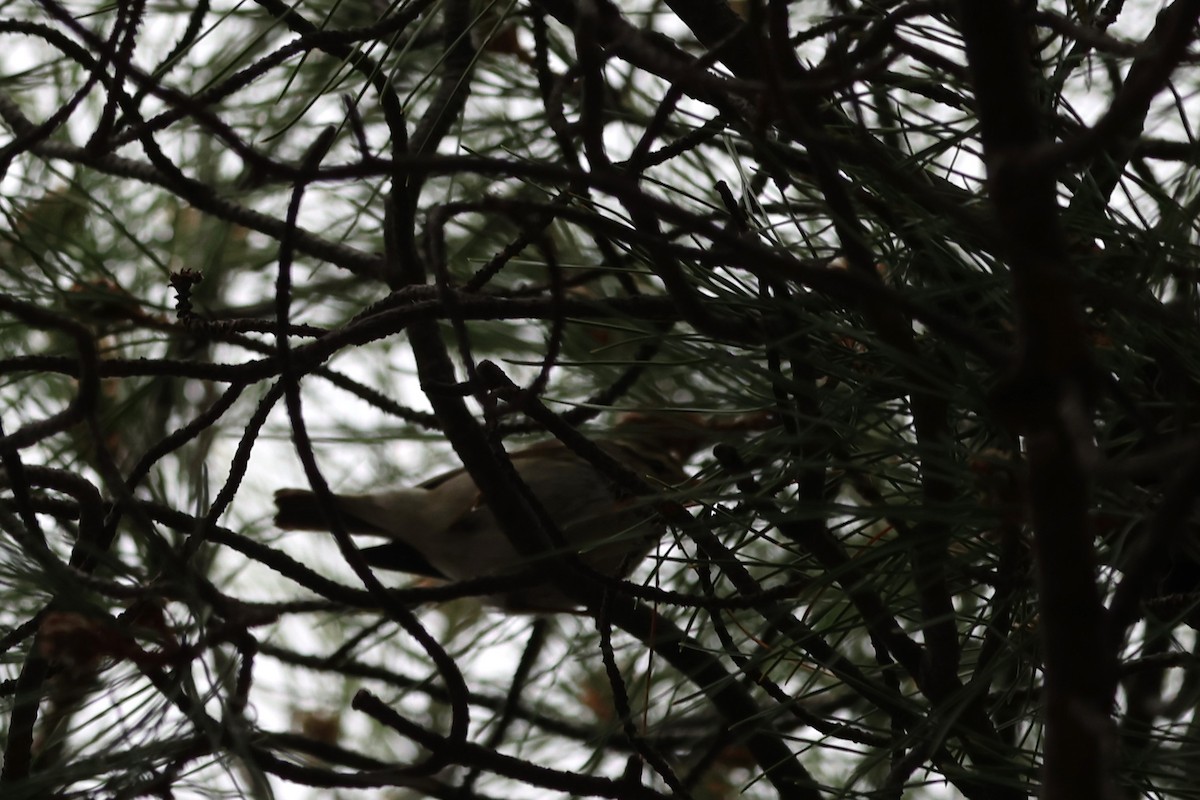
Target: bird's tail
column 298, row 510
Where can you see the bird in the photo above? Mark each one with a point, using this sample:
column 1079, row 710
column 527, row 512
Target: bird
column 442, row 528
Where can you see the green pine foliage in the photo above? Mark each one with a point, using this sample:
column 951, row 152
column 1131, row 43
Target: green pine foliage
column 918, row 279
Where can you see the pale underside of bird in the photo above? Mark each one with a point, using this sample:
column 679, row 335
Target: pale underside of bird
column 443, row 528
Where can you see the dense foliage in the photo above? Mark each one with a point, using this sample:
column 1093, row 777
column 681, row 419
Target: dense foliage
column 921, row 276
